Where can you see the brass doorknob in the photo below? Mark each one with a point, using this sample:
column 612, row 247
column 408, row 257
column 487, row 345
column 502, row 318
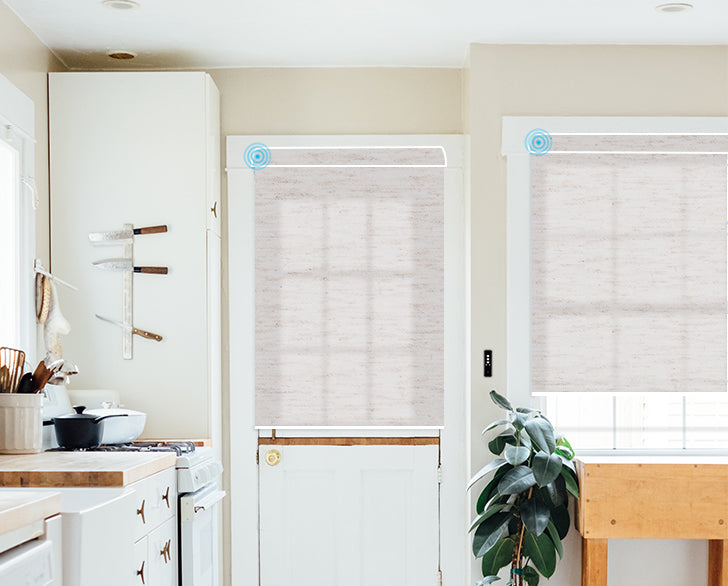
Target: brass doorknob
column 272, row 457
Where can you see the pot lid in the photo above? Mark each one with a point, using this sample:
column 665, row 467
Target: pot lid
column 79, row 414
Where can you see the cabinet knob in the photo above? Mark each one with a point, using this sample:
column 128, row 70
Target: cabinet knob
column 213, row 209
column 165, row 497
column 164, row 552
column 272, row 457
column 140, row 511
column 140, row 573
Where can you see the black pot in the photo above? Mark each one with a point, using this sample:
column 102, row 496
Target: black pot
column 80, row 430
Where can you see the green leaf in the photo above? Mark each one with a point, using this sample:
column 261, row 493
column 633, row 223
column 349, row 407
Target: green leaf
column 555, row 492
column 545, row 467
column 492, row 510
column 499, row 556
column 485, row 470
column 489, row 532
column 535, row 515
column 562, row 520
column 542, row 553
column 531, row 576
column 499, row 442
column 496, row 424
column 501, row 401
column 542, row 434
column 554, row 535
column 565, row 448
column 527, row 410
column 566, row 462
column 571, row 484
column 516, row 480
column 518, row 420
column 490, row 489
column 487, row 580
column 516, row 455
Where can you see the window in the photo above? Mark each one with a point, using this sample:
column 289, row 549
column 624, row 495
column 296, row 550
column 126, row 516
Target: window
column 349, row 297
column 625, row 273
column 17, row 233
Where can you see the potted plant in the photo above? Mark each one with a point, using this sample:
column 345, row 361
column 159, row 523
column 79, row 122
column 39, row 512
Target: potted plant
column 522, row 512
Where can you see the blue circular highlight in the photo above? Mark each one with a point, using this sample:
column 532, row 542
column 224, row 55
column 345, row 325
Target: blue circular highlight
column 257, row 156
column 538, row 142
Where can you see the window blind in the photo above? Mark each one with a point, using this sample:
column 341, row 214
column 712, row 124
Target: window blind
column 349, row 290
column 628, row 260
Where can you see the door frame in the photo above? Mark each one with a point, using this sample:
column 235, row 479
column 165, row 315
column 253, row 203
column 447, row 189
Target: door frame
column 454, row 445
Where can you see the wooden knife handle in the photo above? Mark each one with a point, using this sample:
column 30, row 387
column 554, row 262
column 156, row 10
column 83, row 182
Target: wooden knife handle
column 147, row 335
column 152, row 270
column 150, row 230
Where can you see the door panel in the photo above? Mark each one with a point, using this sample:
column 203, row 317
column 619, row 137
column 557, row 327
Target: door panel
column 349, row 515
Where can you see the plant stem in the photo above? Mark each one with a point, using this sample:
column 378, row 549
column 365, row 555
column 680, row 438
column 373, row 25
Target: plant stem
column 519, row 552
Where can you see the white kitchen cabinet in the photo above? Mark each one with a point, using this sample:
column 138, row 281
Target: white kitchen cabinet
column 141, row 148
column 162, row 555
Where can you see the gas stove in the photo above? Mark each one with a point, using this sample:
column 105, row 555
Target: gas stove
column 183, row 447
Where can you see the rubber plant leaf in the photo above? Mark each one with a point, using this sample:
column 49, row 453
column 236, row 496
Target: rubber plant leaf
column 485, row 470
column 489, row 532
column 487, row 580
column 561, row 519
column 516, row 480
column 501, row 401
column 490, row 489
column 499, row 556
column 571, row 485
column 542, row 553
column 516, row 455
column 531, row 576
column 542, row 434
column 554, row 535
column 535, row 515
column 491, row 510
column 546, row 467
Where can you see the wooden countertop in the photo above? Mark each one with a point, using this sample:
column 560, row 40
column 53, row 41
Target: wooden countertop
column 18, row 509
column 81, row 469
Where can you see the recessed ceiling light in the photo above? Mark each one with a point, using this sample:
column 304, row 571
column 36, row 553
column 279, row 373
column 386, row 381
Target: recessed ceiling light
column 121, row 4
column 674, row 7
column 121, row 54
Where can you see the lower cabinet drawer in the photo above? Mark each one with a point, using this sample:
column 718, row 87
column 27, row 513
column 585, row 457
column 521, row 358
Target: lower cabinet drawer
column 162, row 555
column 141, row 563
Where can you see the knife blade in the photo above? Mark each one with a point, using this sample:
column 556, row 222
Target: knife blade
column 137, row 331
column 121, row 236
column 123, row 264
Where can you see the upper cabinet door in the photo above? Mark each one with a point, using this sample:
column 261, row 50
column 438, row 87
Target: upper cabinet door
column 140, row 149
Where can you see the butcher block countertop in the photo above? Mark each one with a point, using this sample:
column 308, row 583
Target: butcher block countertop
column 18, row 509
column 81, row 469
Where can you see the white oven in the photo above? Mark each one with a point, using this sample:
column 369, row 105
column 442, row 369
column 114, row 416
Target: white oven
column 198, row 479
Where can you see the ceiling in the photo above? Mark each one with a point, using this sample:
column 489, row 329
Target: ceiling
column 327, row 33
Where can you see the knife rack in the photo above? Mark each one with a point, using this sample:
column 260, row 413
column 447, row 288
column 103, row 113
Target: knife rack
column 127, row 300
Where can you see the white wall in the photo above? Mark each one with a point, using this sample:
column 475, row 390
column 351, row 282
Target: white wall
column 569, row 81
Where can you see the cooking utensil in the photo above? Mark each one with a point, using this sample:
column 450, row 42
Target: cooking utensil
column 59, row 378
column 120, row 431
column 27, row 384
column 80, row 430
column 137, row 331
column 122, row 264
column 42, row 297
column 14, row 362
column 124, row 235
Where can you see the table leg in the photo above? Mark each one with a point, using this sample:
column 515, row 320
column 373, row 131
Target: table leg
column 594, row 563
column 718, row 562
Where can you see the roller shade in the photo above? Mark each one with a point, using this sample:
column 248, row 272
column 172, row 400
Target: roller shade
column 628, row 258
column 349, row 289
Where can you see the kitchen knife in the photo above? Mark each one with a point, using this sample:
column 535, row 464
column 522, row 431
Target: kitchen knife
column 137, row 331
column 122, row 264
column 121, row 236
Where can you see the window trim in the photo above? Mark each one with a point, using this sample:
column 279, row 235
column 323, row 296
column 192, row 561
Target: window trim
column 17, row 123
column 518, row 224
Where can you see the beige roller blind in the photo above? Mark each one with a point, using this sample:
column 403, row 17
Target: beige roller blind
column 628, row 272
column 349, row 290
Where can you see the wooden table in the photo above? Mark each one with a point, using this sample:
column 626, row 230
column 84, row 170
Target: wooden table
column 652, row 498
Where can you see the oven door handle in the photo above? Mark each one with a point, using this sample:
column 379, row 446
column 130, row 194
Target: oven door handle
column 190, row 506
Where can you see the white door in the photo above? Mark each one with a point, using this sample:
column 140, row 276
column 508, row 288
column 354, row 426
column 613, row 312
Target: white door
column 349, row 515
